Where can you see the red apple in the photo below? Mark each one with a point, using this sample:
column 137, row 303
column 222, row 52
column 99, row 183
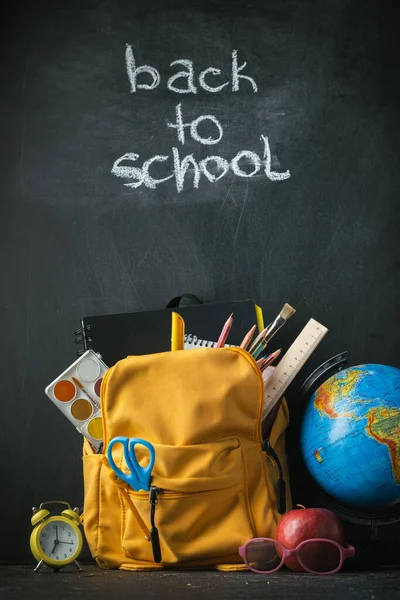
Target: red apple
column 306, row 523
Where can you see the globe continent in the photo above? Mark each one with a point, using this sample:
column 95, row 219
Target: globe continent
column 350, row 436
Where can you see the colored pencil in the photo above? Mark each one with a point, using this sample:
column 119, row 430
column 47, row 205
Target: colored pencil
column 270, row 359
column 248, row 337
column 225, row 332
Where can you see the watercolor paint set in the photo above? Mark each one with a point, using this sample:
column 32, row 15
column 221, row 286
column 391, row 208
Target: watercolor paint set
column 76, row 392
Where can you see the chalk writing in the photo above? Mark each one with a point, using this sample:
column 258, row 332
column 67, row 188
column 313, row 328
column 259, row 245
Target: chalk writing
column 133, row 71
column 137, row 176
column 245, row 164
column 187, row 76
column 180, row 127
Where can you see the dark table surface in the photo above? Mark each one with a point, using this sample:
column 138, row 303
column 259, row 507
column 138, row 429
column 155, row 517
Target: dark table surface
column 21, row 582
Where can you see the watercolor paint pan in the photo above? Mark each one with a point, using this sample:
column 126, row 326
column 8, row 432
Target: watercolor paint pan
column 76, row 393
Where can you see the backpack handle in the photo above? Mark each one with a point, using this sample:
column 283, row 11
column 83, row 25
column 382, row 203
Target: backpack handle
column 184, row 300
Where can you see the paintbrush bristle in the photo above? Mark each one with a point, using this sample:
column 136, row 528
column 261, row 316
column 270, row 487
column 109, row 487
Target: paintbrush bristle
column 287, row 312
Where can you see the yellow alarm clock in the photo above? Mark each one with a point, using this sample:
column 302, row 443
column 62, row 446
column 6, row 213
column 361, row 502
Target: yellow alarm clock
column 56, row 541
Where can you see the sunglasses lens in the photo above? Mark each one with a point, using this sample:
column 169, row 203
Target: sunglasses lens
column 263, row 555
column 321, row 557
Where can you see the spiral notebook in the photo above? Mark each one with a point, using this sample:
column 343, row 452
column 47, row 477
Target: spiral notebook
column 117, row 336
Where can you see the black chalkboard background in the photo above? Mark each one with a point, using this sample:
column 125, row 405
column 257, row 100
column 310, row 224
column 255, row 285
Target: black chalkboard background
column 75, row 241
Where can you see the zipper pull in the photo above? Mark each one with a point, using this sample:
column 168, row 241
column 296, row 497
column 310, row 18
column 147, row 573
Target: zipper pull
column 154, row 537
column 281, row 485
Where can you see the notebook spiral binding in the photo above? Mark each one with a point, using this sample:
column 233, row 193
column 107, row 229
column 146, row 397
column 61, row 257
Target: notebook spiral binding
column 192, row 341
column 83, row 337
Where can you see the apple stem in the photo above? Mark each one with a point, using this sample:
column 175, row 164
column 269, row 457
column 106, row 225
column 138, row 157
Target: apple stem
column 300, row 505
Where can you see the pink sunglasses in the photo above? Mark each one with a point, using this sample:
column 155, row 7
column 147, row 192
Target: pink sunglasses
column 318, row 556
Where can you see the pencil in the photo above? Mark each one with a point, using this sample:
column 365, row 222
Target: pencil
column 270, row 359
column 225, row 332
column 261, row 362
column 248, row 337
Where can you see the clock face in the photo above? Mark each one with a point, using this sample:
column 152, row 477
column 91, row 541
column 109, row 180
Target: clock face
column 59, row 541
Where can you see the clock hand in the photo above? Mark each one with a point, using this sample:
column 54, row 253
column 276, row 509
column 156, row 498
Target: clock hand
column 56, row 541
column 62, row 542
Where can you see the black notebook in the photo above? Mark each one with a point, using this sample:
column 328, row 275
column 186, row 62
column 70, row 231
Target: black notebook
column 120, row 335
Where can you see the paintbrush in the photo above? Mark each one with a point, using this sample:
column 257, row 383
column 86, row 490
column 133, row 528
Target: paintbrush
column 80, row 386
column 285, row 314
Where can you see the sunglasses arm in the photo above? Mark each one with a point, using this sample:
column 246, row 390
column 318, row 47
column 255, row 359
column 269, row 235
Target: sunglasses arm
column 349, row 551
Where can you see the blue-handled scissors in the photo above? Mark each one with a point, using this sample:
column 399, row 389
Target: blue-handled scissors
column 138, row 477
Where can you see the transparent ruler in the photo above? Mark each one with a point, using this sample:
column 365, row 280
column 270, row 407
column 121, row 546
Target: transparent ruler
column 291, row 363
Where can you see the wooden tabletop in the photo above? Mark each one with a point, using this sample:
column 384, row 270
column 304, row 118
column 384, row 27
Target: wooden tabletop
column 20, row 582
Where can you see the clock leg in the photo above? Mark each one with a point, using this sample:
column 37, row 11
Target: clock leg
column 40, row 563
column 78, row 566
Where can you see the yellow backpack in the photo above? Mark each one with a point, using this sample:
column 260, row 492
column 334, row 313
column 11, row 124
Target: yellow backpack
column 201, row 409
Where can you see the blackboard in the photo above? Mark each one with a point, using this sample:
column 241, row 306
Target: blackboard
column 316, row 103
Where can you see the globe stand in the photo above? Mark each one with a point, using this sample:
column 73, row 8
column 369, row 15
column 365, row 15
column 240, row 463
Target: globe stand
column 323, row 372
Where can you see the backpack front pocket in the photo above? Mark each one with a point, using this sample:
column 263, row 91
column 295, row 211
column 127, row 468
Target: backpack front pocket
column 202, row 509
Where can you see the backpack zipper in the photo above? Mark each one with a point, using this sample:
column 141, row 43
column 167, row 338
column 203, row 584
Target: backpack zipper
column 266, row 445
column 281, row 485
column 154, row 537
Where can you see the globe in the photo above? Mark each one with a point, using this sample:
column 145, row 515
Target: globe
column 350, row 436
